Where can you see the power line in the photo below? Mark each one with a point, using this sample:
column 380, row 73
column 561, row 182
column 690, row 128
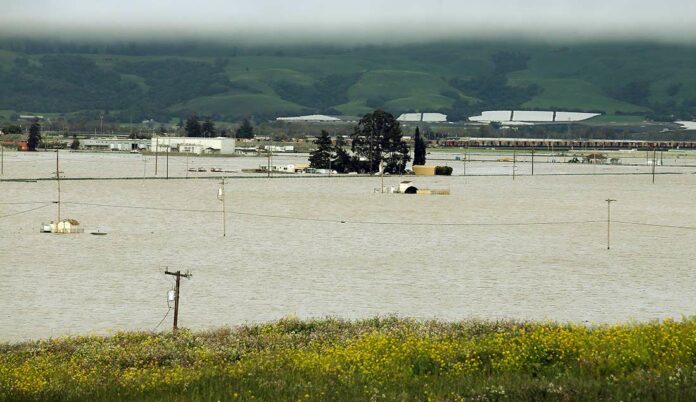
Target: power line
column 411, row 223
column 26, row 203
column 24, row 212
column 163, row 318
column 138, row 207
column 657, row 225
column 346, row 221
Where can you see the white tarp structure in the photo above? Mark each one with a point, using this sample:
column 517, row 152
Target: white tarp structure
column 424, row 117
column 523, row 115
column 574, row 116
column 531, row 116
column 310, row 118
column 688, row 125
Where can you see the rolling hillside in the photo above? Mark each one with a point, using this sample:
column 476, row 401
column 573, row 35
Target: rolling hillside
column 228, row 83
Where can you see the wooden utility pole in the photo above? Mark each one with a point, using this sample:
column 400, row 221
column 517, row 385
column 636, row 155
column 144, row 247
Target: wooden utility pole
column 156, row 153
column 58, row 182
column 268, row 168
column 178, row 275
column 609, row 201
column 653, row 164
column 221, row 197
column 168, row 145
column 514, row 163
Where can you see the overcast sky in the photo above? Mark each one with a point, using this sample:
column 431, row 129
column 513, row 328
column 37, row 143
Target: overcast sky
column 352, row 21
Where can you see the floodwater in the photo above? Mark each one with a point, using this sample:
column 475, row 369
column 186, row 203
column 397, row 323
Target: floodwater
column 530, row 248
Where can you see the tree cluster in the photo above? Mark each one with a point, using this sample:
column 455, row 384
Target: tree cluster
column 246, row 130
column 194, row 128
column 376, row 144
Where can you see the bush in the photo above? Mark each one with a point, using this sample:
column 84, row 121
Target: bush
column 443, row 170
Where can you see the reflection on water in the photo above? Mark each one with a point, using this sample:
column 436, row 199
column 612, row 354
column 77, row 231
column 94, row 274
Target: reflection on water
column 463, row 259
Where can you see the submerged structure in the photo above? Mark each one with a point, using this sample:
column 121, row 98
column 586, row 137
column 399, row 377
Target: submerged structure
column 64, row 226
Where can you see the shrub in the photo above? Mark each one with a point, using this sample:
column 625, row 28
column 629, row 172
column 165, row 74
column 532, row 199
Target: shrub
column 443, row 170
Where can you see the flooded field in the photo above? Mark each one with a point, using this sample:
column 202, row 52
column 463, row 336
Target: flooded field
column 532, row 248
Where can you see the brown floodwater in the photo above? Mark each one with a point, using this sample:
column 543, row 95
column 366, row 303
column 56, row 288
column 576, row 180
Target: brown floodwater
column 532, row 248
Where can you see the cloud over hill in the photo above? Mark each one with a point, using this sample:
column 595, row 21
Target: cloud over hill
column 352, row 22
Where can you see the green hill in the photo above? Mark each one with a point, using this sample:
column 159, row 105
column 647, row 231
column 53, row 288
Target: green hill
column 226, row 82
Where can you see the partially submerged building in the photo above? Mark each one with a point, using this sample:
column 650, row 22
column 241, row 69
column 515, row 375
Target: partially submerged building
column 63, row 226
column 193, row 145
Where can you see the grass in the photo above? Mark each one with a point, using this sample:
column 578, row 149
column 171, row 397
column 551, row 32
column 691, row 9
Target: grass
column 414, row 77
column 238, row 104
column 586, row 96
column 376, row 359
column 395, row 84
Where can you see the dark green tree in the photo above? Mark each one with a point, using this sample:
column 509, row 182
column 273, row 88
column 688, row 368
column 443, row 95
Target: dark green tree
column 246, row 130
column 75, row 144
column 419, row 148
column 12, row 129
column 193, row 126
column 343, row 163
column 322, row 156
column 377, row 138
column 208, row 129
column 396, row 154
column 34, row 136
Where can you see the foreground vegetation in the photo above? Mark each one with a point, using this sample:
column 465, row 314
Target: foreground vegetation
column 377, row 359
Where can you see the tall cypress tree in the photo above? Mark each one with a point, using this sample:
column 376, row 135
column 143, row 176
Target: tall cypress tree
column 34, row 136
column 418, row 148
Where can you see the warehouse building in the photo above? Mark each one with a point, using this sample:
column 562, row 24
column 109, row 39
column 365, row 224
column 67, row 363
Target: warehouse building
column 193, row 145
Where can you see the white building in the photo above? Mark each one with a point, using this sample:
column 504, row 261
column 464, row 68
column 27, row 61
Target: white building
column 193, row 145
column 423, row 117
column 310, row 118
column 531, row 116
column 114, row 144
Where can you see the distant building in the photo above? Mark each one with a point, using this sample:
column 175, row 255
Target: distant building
column 114, row 144
column 530, row 116
column 279, row 148
column 310, row 118
column 193, row 145
column 423, row 117
column 30, row 117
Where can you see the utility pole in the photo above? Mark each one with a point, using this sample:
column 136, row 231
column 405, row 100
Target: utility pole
column 2, row 160
column 268, row 168
column 144, row 166
column 221, row 197
column 58, row 182
column 532, row 162
column 168, row 145
column 381, row 174
column 156, row 152
column 609, row 201
column 653, row 164
column 514, row 163
column 178, row 275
